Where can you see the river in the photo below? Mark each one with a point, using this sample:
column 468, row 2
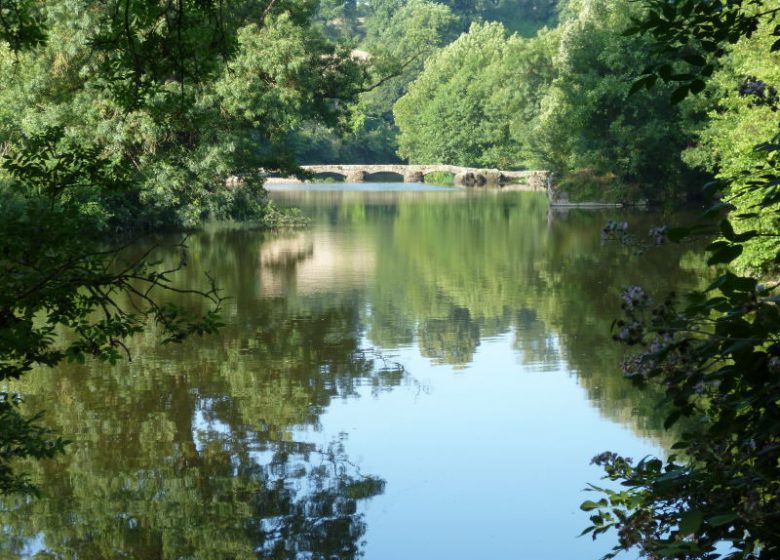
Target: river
column 422, row 374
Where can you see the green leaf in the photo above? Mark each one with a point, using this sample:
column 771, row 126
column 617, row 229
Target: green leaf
column 719, row 520
column 589, row 505
column 725, row 254
column 728, row 232
column 716, row 209
column 740, row 346
column 697, row 86
column 715, row 245
column 679, row 94
column 691, row 521
column 671, row 419
column 730, row 283
column 586, row 531
column 709, row 46
column 695, row 60
column 642, row 82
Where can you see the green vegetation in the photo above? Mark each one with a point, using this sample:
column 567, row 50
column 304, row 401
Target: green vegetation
column 440, row 178
column 458, row 112
column 171, row 106
column 121, row 116
column 399, row 36
column 555, row 101
column 736, row 123
column 715, row 353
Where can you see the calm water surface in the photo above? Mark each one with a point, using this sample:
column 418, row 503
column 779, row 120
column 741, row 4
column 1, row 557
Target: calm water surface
column 419, row 375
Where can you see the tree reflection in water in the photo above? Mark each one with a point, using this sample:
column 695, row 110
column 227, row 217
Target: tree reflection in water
column 201, row 450
column 189, row 451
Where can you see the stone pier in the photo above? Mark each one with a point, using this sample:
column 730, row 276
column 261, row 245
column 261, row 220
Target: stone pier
column 355, row 176
column 414, row 177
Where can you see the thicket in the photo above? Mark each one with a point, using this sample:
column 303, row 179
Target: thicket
column 172, row 99
column 557, row 101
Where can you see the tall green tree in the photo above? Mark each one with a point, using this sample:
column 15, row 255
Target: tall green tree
column 590, row 129
column 396, row 42
column 465, row 108
column 399, row 35
column 178, row 96
column 745, row 88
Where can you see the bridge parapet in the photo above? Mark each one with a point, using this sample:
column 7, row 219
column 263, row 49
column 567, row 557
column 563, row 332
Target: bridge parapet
column 464, row 176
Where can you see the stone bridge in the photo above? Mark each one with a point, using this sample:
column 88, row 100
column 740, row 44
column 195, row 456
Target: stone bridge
column 464, row 176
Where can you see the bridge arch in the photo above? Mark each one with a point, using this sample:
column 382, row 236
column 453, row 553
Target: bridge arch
column 386, row 176
column 335, row 175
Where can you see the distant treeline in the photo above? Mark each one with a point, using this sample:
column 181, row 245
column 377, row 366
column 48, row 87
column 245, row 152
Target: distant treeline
column 542, row 85
column 399, row 36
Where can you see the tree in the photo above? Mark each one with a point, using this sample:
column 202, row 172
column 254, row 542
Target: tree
column 601, row 143
column 397, row 40
column 179, row 96
column 555, row 101
column 462, row 107
column 726, row 145
column 340, row 18
column 717, row 354
column 399, row 35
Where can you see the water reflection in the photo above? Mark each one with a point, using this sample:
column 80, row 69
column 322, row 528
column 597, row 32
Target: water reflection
column 231, row 447
column 189, row 452
column 454, row 269
column 305, row 263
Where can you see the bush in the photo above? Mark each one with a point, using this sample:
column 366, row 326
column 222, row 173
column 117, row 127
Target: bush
column 440, row 178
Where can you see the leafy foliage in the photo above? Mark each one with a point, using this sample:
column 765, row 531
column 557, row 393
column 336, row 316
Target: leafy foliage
column 556, row 101
column 177, row 96
column 745, row 112
column 717, row 358
column 716, row 354
column 690, row 36
column 60, row 285
column 396, row 42
column 399, row 36
column 587, row 122
column 461, row 110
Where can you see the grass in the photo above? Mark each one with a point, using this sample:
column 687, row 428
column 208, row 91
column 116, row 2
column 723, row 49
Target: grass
column 443, row 178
